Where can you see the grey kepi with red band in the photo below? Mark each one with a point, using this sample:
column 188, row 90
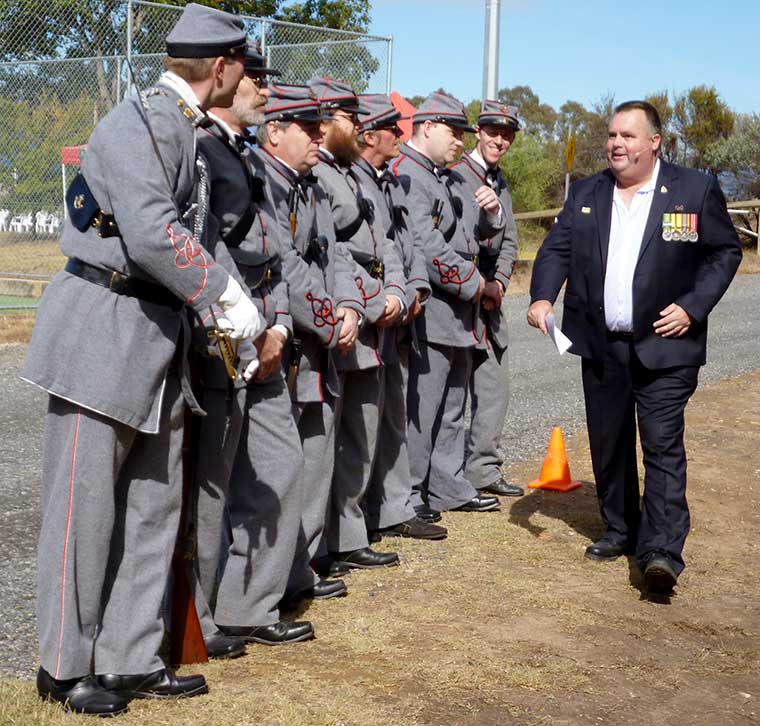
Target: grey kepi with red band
column 378, row 112
column 441, row 108
column 333, row 95
column 292, row 103
column 495, row 113
column 203, row 32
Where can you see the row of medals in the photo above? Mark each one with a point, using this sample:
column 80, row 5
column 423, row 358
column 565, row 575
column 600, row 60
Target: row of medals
column 686, row 231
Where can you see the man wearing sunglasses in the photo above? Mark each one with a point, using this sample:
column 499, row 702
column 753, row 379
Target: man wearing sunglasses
column 387, row 506
column 381, row 281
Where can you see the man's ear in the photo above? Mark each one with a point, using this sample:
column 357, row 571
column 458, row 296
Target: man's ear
column 218, row 69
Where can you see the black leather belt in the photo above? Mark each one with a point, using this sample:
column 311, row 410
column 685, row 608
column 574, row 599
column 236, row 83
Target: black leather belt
column 123, row 284
column 619, row 335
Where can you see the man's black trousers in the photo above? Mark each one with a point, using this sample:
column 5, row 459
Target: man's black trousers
column 619, row 391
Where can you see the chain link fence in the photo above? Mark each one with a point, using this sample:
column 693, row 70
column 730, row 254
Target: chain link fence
column 59, row 74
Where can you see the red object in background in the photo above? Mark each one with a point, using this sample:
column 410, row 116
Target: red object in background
column 405, row 109
column 72, row 154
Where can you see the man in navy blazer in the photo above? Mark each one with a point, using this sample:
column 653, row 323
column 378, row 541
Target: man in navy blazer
column 647, row 249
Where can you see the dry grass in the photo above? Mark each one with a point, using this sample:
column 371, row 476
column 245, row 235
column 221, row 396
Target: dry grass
column 506, row 622
column 16, row 326
column 42, row 257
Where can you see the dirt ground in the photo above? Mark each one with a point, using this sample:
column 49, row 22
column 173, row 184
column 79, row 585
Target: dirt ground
column 505, row 622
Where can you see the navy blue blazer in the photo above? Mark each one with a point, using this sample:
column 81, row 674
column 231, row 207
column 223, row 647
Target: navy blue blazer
column 693, row 274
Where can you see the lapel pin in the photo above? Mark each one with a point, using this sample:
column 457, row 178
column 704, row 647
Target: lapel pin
column 585, row 210
column 663, row 189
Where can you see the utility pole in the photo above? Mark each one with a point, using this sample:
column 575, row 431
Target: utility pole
column 491, row 50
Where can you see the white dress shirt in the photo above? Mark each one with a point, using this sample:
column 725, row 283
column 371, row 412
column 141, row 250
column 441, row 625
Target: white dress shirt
column 626, row 235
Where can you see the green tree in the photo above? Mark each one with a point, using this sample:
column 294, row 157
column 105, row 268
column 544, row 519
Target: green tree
column 701, row 119
column 669, row 148
column 531, row 170
column 537, row 118
column 739, row 154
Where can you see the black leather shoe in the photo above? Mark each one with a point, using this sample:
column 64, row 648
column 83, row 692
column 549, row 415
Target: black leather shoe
column 417, row 529
column 429, row 515
column 504, row 489
column 81, row 695
column 605, row 550
column 365, row 558
column 328, row 567
column 222, row 646
column 275, row 634
column 659, row 575
column 323, row 590
column 479, row 503
column 161, row 684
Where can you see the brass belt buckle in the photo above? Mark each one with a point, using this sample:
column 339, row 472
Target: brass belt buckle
column 268, row 275
column 113, row 280
column 475, row 260
column 378, row 270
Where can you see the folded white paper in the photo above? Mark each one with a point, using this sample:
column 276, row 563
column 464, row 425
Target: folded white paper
column 560, row 339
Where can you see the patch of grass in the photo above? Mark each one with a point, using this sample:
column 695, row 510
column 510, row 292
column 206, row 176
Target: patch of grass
column 31, row 257
column 16, row 326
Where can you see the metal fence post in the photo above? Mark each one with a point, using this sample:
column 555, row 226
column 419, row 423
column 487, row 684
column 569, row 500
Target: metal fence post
column 389, row 72
column 129, row 46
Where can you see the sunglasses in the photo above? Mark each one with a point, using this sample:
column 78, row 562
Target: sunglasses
column 258, row 81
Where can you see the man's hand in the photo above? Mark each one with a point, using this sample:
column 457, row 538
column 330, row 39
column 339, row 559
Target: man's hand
column 269, row 346
column 416, row 310
column 392, row 312
column 492, row 295
column 349, row 330
column 240, row 312
column 537, row 313
column 487, row 199
column 675, row 321
column 481, row 289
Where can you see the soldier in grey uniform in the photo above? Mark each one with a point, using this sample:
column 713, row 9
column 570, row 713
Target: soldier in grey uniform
column 448, row 228
column 260, row 478
column 359, row 227
column 325, row 305
column 110, row 348
column 489, row 382
column 388, row 502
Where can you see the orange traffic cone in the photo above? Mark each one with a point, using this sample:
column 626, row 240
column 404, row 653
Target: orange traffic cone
column 555, row 473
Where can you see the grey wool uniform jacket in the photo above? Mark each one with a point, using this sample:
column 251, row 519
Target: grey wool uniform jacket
column 449, row 245
column 498, row 253
column 390, row 204
column 362, row 233
column 316, row 289
column 107, row 352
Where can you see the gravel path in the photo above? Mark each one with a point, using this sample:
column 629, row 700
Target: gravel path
column 546, row 391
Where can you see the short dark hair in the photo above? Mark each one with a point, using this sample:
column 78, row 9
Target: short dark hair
column 653, row 117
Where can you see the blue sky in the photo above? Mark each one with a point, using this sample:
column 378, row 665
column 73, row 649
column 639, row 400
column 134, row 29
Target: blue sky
column 578, row 50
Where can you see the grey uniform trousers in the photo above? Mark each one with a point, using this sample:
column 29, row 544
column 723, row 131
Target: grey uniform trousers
column 216, row 448
column 357, row 420
column 264, row 508
column 389, row 496
column 489, row 400
column 111, row 501
column 438, row 380
column 316, row 428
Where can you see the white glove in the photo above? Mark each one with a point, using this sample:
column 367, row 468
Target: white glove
column 240, row 311
column 249, row 360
